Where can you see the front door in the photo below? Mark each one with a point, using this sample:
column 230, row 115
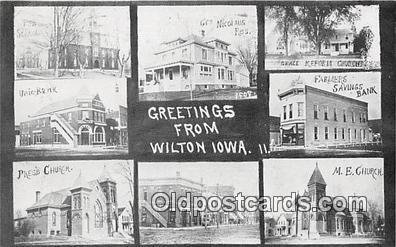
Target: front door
column 84, row 137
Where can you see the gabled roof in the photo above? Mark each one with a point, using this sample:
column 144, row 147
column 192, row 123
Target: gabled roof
column 57, row 106
column 316, row 177
column 60, row 198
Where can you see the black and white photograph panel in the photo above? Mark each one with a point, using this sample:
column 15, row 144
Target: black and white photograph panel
column 198, row 203
column 73, row 202
column 322, row 37
column 324, row 201
column 326, row 114
column 197, row 52
column 70, row 117
column 71, row 65
column 71, row 42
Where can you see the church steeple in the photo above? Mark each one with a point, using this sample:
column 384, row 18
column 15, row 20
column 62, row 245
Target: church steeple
column 316, row 177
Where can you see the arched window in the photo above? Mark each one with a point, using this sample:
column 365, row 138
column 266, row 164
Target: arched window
column 99, row 134
column 54, row 218
column 98, row 215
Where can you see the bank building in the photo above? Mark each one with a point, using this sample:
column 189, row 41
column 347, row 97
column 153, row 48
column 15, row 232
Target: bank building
column 313, row 117
column 75, row 121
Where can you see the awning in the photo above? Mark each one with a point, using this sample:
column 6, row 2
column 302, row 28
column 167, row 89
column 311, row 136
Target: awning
column 288, row 127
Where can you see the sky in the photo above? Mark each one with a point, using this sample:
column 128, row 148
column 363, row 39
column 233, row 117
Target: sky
column 242, row 175
column 283, row 176
column 66, row 88
column 25, row 188
column 368, row 79
column 157, row 24
column 369, row 17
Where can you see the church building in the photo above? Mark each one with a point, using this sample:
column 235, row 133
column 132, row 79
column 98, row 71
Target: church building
column 84, row 209
column 339, row 223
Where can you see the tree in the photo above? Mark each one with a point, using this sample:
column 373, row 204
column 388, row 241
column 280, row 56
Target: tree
column 112, row 133
column 374, row 212
column 318, row 23
column 122, row 60
column 127, row 173
column 285, row 18
column 247, row 56
column 67, row 30
column 363, row 41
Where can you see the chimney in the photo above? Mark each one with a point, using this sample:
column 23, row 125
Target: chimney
column 37, row 196
column 203, row 33
column 178, row 174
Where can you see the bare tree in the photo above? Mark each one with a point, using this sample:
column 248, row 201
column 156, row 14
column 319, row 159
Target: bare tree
column 67, row 31
column 127, row 173
column 122, row 60
column 247, row 56
column 374, row 212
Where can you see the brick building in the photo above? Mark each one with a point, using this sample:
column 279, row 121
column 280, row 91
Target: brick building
column 92, row 51
column 79, row 120
column 84, row 209
column 314, row 117
column 148, row 187
column 180, row 186
column 315, row 223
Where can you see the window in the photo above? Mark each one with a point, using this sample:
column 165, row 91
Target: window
column 360, row 117
column 145, row 196
column 300, row 110
column 364, row 134
column 54, row 218
column 284, row 112
column 335, row 114
column 290, row 110
column 98, row 135
column 335, row 133
column 349, row 134
column 230, row 60
column 316, row 132
column 326, row 113
column 326, row 133
column 315, row 111
column 37, row 137
column 343, row 133
column 204, row 54
column 184, row 52
column 98, row 214
column 170, row 73
column 220, row 73
column 85, row 115
column 56, row 135
column 353, row 117
column 355, row 134
column 344, row 115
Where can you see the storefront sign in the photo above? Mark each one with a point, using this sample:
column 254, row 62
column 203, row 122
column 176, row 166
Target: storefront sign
column 207, row 130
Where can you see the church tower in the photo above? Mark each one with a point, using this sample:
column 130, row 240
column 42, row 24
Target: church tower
column 109, row 187
column 80, row 215
column 316, row 190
